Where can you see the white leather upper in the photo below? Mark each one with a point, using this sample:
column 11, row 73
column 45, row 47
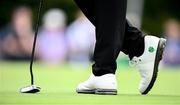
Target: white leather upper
column 145, row 63
column 107, row 81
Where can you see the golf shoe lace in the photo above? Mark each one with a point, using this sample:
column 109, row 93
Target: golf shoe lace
column 134, row 62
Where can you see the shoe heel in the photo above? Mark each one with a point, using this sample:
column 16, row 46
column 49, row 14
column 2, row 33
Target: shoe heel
column 162, row 45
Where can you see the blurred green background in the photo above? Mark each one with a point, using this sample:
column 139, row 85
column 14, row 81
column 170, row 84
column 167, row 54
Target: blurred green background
column 155, row 13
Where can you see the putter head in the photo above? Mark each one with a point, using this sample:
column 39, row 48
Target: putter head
column 30, row 89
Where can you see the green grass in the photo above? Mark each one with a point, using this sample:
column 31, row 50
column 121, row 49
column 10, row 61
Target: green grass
column 58, row 86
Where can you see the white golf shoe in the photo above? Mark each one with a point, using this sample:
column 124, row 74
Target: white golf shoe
column 105, row 85
column 148, row 62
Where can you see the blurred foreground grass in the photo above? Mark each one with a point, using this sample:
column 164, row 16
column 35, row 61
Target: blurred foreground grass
column 58, row 86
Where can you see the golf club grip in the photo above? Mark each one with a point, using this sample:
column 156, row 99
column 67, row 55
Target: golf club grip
column 35, row 39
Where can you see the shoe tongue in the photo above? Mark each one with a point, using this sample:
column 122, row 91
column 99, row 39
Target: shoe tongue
column 132, row 57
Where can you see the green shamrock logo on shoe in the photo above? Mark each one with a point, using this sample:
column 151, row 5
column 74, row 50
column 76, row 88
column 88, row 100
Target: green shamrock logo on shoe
column 151, row 49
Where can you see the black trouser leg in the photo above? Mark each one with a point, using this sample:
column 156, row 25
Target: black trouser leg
column 133, row 42
column 109, row 20
column 88, row 8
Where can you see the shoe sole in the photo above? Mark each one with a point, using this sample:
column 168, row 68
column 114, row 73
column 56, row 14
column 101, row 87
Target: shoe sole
column 98, row 91
column 159, row 54
column 106, row 91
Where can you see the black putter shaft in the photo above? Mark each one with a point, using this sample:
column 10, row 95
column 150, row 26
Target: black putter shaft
column 35, row 39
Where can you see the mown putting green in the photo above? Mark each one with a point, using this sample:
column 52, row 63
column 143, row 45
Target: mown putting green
column 58, row 86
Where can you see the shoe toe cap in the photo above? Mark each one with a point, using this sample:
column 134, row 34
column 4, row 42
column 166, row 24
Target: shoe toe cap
column 82, row 86
column 144, row 84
